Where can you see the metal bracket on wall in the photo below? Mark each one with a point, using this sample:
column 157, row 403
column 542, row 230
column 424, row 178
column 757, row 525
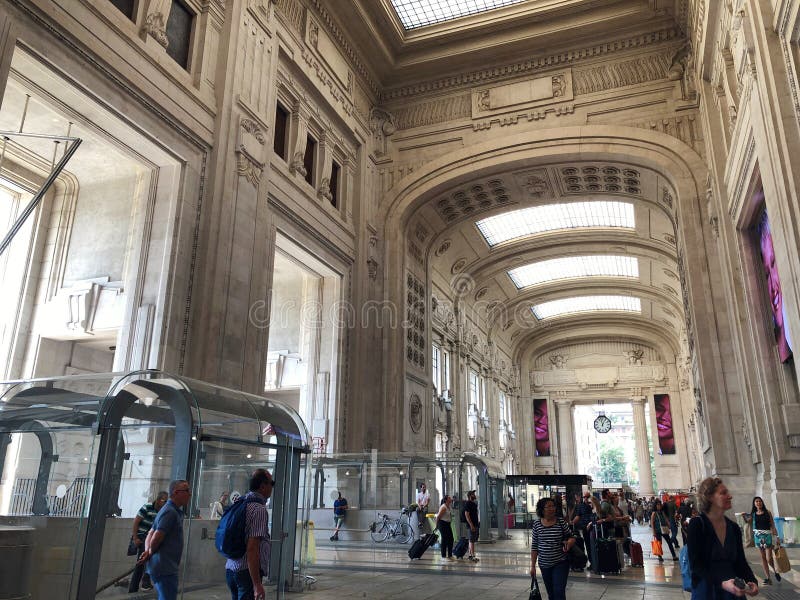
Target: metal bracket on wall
column 8, row 138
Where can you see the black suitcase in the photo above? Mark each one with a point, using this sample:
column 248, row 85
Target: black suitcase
column 461, row 547
column 419, row 546
column 607, row 557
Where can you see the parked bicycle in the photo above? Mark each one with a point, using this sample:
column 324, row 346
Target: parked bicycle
column 398, row 529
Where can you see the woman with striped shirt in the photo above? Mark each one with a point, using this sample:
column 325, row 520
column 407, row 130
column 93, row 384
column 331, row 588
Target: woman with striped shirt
column 551, row 540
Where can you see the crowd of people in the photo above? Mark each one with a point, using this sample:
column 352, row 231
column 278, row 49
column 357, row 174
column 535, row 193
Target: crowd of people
column 584, row 531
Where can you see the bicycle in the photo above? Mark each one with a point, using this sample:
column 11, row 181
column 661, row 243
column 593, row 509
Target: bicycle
column 399, row 529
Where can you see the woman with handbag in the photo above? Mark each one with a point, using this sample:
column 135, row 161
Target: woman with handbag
column 443, row 520
column 659, row 523
column 720, row 570
column 551, row 540
column 763, row 531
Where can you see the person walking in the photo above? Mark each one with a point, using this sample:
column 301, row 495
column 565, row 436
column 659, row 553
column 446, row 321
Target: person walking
column 763, row 532
column 671, row 510
column 639, row 512
column 716, row 552
column 582, row 522
column 551, row 540
column 469, row 515
column 659, row 524
column 142, row 524
column 243, row 575
column 444, row 518
column 163, row 546
column 339, row 512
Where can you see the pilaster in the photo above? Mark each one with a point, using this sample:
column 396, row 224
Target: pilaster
column 642, row 451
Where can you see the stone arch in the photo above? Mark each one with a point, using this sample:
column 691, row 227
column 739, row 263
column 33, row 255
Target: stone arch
column 679, row 164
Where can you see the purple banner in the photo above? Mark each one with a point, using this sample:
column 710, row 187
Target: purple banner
column 773, row 287
column 666, row 436
column 541, row 427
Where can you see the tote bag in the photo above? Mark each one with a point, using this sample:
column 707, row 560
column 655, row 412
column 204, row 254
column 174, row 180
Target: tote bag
column 782, row 564
column 655, row 547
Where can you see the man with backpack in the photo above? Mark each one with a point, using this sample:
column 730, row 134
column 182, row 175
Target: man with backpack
column 243, row 538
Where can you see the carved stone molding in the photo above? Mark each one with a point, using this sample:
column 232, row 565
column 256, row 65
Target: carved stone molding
column 248, row 168
column 473, row 199
column 296, row 165
column 541, row 63
column 382, row 125
column 642, row 69
column 155, row 25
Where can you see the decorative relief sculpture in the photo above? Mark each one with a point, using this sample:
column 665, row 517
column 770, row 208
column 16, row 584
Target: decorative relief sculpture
column 415, row 413
column 634, row 356
column 558, row 361
column 559, row 86
column 155, row 23
column 248, row 168
column 443, row 248
column 382, row 125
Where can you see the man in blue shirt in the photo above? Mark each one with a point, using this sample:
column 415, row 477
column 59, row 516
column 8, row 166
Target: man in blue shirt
column 163, row 546
column 339, row 511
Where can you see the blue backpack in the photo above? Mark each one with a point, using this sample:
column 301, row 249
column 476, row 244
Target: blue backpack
column 230, row 537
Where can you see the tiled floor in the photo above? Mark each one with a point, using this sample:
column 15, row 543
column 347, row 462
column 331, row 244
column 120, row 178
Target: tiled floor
column 383, row 571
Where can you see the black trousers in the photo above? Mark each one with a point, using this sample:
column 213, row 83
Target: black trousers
column 446, row 542
column 139, row 575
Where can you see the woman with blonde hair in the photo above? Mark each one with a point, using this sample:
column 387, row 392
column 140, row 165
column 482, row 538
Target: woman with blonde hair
column 716, row 554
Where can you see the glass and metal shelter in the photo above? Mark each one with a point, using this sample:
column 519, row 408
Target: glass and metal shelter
column 80, row 455
column 527, row 490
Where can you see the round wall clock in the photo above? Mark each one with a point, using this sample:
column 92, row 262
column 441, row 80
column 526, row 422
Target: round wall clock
column 602, row 424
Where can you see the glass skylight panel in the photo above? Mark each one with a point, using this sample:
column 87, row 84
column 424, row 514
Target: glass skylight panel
column 582, row 304
column 419, row 13
column 551, row 217
column 569, row 267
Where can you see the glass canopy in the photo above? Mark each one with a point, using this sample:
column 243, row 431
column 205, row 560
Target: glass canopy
column 419, row 13
column 551, row 217
column 580, row 304
column 569, row 267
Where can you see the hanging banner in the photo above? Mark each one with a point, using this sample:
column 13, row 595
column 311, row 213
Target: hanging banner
column 775, row 295
column 541, row 426
column 666, row 436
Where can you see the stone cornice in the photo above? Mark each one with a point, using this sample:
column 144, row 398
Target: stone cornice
column 472, row 78
column 344, row 45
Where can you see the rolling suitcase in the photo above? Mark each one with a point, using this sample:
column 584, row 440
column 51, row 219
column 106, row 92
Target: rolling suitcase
column 607, row 559
column 419, row 546
column 461, row 547
column 637, row 556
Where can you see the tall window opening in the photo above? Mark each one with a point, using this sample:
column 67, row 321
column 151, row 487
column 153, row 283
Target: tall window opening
column 333, row 185
column 179, row 33
column 308, row 158
column 281, row 124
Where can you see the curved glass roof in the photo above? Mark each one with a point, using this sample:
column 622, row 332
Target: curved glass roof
column 569, row 267
column 419, row 13
column 582, row 304
column 551, row 217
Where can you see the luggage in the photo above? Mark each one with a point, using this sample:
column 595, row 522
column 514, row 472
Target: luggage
column 620, row 553
column 461, row 547
column 419, row 546
column 607, row 558
column 637, row 554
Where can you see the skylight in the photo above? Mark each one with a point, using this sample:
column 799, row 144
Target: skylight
column 419, row 13
column 568, row 267
column 550, row 217
column 581, row 304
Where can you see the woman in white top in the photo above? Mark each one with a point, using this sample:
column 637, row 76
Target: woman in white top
column 443, row 519
column 219, row 507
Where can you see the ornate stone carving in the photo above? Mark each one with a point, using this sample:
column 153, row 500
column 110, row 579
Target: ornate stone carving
column 416, row 347
column 415, row 413
column 296, row 165
column 382, row 125
column 535, row 183
column 458, row 266
column 324, row 190
column 650, row 67
column 558, row 361
column 443, row 248
column 421, row 233
column 248, row 168
column 415, row 252
column 635, row 356
column 473, row 199
column 424, row 114
column 155, row 25
column 313, row 34
column 600, row 178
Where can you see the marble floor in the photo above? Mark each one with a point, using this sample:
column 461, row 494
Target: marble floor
column 383, row 571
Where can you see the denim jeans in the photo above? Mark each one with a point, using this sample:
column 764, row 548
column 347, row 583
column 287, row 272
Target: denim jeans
column 240, row 584
column 555, row 580
column 166, row 587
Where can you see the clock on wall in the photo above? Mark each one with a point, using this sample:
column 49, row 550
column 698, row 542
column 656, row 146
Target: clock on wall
column 602, row 424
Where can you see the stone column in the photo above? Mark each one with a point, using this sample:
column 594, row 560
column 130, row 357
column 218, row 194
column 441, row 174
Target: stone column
column 566, row 436
column 642, row 452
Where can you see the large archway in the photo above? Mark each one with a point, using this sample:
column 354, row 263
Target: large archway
column 684, row 312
